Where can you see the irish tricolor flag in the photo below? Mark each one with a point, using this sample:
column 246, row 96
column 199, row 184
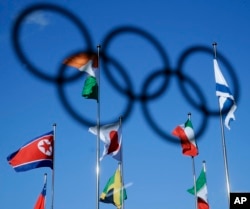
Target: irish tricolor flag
column 201, row 191
column 186, row 134
column 86, row 62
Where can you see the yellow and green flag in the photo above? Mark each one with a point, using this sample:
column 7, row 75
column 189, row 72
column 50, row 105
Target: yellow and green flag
column 114, row 192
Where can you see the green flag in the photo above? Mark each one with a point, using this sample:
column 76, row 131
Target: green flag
column 90, row 88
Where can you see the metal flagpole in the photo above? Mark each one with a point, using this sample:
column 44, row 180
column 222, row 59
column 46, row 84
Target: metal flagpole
column 45, row 184
column 194, row 176
column 223, row 142
column 98, row 134
column 53, row 170
column 121, row 164
column 195, row 190
column 122, row 194
column 205, row 171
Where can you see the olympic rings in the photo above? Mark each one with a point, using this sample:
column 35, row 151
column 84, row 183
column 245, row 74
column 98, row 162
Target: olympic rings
column 79, row 118
column 150, row 38
column 16, row 34
column 144, row 97
column 202, row 49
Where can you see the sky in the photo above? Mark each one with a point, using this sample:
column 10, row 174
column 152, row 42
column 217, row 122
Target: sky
column 156, row 66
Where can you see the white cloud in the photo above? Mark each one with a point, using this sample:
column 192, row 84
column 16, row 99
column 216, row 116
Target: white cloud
column 38, row 18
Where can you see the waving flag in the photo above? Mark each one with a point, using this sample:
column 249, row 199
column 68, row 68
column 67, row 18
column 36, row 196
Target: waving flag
column 86, row 62
column 40, row 203
column 186, row 134
column 111, row 135
column 226, row 99
column 114, row 192
column 34, row 154
column 201, row 191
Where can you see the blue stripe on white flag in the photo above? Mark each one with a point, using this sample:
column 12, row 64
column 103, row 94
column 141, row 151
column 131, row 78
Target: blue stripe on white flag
column 222, row 89
column 228, row 103
column 226, row 99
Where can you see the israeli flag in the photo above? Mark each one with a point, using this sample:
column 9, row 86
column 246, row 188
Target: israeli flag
column 226, row 99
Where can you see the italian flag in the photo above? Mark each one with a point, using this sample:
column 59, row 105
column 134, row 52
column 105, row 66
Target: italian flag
column 186, row 134
column 201, row 188
column 86, row 62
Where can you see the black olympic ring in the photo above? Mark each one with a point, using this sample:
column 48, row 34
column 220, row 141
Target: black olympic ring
column 16, row 33
column 153, row 41
column 202, row 49
column 144, row 97
column 182, row 79
column 81, row 119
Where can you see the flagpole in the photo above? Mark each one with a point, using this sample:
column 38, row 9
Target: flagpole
column 53, row 170
column 205, row 171
column 204, row 166
column 223, row 142
column 121, row 164
column 98, row 134
column 45, row 183
column 194, row 176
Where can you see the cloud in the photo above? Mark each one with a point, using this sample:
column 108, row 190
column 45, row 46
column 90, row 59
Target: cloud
column 38, row 18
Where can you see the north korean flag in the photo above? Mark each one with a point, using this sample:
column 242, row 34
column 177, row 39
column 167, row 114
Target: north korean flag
column 34, row 154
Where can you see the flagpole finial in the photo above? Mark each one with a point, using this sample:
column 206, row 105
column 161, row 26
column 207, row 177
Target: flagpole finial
column 204, row 165
column 214, row 46
column 99, row 46
column 45, row 178
column 189, row 115
column 54, row 124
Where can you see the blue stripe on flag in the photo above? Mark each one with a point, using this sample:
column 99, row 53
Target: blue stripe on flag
column 222, row 88
column 227, row 105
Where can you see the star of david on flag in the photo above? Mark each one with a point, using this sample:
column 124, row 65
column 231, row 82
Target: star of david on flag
column 34, row 154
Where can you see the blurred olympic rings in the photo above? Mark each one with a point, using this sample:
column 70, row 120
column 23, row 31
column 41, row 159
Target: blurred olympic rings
column 143, row 97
